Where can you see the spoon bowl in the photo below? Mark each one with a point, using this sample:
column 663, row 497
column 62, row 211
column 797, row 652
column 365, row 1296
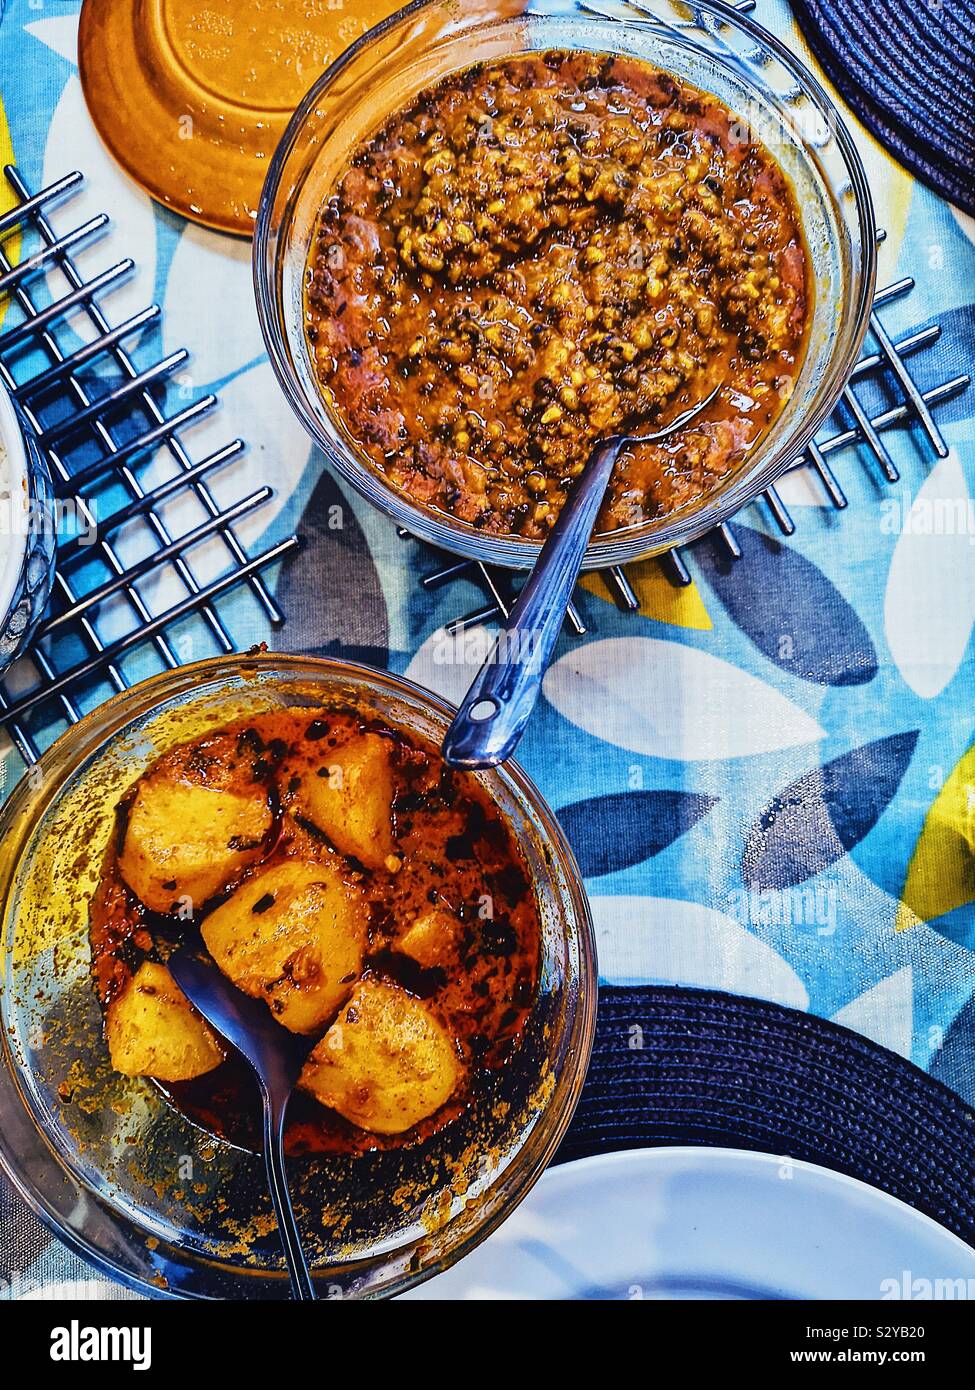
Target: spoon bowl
column 277, row 1058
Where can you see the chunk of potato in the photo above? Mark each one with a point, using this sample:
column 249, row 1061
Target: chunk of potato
column 386, row 1063
column 153, row 1030
column 433, row 939
column 349, row 798
column 293, row 936
column 189, row 842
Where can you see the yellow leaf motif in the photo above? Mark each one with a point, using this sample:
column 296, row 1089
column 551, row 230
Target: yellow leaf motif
column 11, row 245
column 659, row 598
column 941, row 874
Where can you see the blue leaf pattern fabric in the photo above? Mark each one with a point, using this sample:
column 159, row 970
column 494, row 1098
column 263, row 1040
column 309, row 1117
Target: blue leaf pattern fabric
column 617, row 831
column 824, row 814
column 330, row 588
column 790, row 610
column 954, row 1062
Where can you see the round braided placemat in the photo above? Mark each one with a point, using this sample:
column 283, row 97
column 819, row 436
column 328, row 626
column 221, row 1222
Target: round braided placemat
column 907, row 69
column 684, row 1066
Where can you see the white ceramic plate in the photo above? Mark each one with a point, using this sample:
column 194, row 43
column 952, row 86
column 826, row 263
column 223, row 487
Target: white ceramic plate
column 709, row 1223
column 84, row 1290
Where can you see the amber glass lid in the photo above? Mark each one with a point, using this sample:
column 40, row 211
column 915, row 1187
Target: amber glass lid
column 191, row 96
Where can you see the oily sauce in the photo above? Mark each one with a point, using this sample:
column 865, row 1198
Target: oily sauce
column 455, row 852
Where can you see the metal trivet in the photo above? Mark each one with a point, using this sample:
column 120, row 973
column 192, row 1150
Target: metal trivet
column 102, row 419
column 915, row 407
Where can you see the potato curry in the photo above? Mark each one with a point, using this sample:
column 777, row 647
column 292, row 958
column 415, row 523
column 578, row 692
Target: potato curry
column 338, row 870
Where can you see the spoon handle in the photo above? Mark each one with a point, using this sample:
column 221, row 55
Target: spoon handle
column 494, row 712
column 301, row 1285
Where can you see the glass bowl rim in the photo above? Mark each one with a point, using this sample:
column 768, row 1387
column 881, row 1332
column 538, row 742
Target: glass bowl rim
column 17, row 468
column 624, row 544
column 26, row 807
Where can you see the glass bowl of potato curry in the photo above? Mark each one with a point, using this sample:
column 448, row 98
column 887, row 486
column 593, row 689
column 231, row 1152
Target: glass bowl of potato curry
column 422, row 930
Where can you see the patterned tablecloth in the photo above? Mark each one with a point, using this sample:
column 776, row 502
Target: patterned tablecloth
column 766, row 775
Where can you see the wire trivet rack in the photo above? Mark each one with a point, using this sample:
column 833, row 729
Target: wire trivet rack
column 100, row 431
column 140, row 504
column 914, row 407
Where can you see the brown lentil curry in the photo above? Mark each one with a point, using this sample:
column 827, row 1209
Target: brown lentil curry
column 454, row 852
column 541, row 252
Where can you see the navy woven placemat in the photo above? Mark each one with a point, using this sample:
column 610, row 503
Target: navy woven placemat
column 683, row 1066
column 907, row 68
